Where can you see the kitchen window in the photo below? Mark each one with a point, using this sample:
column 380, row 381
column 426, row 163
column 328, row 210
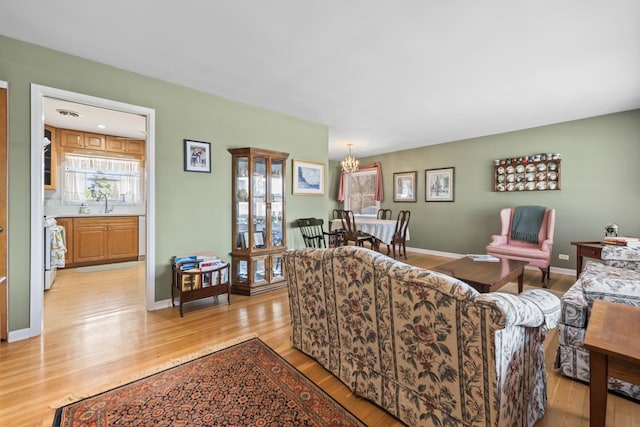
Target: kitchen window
column 89, row 178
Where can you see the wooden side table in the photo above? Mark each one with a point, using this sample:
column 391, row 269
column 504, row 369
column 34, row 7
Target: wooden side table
column 586, row 249
column 613, row 340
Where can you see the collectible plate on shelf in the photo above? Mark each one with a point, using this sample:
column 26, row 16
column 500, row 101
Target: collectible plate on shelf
column 511, row 177
column 542, row 185
column 500, row 170
column 553, row 185
column 500, row 178
column 542, row 167
column 510, row 169
column 553, row 176
column 500, row 187
column 531, row 167
column 531, row 176
column 553, row 166
column 520, row 186
column 530, row 185
column 520, row 168
column 510, row 186
column 541, row 176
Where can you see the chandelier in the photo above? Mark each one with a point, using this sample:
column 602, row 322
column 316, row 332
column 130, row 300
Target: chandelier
column 350, row 163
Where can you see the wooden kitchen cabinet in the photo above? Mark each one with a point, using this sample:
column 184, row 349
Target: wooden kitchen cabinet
column 77, row 139
column 125, row 145
column 50, row 158
column 67, row 223
column 98, row 240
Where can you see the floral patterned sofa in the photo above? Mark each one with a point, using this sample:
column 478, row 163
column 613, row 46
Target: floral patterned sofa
column 617, row 279
column 424, row 346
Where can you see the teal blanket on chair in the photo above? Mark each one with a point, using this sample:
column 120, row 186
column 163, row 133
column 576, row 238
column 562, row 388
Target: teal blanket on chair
column 526, row 222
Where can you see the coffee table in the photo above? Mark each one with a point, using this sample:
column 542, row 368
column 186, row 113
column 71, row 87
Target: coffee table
column 613, row 340
column 485, row 276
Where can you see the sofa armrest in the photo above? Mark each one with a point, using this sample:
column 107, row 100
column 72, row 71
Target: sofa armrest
column 531, row 308
column 498, row 239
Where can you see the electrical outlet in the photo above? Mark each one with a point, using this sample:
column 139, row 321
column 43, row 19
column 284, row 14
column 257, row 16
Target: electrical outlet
column 564, row 257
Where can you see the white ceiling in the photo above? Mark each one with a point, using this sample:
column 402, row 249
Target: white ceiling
column 384, row 75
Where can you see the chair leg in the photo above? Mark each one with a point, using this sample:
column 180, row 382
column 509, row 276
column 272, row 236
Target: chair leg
column 544, row 277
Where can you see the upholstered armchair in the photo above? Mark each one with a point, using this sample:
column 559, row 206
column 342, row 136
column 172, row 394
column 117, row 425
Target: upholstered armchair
column 537, row 253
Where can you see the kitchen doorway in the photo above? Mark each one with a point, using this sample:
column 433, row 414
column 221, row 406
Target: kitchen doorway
column 38, row 95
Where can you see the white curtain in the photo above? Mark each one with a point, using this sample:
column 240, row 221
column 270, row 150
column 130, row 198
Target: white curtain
column 122, row 176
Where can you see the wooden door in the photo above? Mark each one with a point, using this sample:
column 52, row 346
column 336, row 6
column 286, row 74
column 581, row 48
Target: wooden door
column 3, row 215
column 71, row 138
column 123, row 238
column 89, row 240
column 94, row 141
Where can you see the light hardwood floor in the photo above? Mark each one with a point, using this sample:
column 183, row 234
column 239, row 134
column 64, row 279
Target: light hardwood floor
column 97, row 332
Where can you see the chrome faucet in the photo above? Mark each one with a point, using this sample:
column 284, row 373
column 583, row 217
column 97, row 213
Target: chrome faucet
column 107, row 209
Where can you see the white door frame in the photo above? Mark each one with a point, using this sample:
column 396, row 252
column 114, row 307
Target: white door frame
column 38, row 93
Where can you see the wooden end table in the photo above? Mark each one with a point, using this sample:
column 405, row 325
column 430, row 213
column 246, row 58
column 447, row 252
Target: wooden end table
column 485, row 276
column 586, row 249
column 613, row 339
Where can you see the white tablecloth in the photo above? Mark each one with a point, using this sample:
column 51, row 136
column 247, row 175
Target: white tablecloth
column 382, row 229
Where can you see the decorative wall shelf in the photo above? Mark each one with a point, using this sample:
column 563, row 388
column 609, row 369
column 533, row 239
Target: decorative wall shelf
column 529, row 173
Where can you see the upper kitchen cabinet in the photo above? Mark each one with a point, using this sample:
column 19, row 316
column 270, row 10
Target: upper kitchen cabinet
column 77, row 139
column 50, row 160
column 125, row 145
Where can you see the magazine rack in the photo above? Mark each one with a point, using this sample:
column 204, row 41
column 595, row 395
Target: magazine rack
column 191, row 285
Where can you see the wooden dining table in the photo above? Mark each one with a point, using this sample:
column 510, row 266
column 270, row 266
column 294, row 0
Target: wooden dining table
column 381, row 229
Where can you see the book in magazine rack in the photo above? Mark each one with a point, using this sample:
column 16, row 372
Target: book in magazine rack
column 196, row 277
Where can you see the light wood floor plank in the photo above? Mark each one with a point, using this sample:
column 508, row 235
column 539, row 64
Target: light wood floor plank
column 97, row 332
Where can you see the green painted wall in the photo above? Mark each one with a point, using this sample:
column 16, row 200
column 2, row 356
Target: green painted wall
column 600, row 184
column 193, row 210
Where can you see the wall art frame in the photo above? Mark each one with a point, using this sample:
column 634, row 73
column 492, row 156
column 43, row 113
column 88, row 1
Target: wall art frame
column 404, row 186
column 440, row 184
column 308, row 178
column 197, row 156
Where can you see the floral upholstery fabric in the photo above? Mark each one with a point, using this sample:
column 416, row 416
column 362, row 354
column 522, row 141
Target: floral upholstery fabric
column 597, row 281
column 622, row 256
column 426, row 347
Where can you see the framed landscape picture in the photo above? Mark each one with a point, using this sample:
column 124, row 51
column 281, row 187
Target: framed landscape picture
column 197, row 156
column 439, row 185
column 404, row 186
column 308, row 177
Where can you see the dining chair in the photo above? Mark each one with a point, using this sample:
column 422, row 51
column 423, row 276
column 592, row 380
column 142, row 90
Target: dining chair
column 352, row 234
column 385, row 214
column 312, row 231
column 526, row 235
column 400, row 235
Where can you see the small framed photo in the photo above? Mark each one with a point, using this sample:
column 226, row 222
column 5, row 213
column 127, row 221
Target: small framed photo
column 308, row 177
column 404, row 186
column 439, row 185
column 197, row 156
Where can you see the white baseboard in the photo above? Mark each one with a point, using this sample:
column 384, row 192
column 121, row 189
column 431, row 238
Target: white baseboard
column 556, row 270
column 19, row 335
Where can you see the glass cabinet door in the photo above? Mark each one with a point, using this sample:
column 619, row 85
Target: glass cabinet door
column 259, row 202
column 242, row 203
column 277, row 202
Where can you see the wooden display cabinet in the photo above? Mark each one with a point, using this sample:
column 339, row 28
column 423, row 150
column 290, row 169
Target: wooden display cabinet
column 195, row 285
column 258, row 224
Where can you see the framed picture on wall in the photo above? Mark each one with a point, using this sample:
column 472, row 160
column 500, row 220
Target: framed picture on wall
column 439, row 185
column 404, row 186
column 308, row 177
column 197, row 156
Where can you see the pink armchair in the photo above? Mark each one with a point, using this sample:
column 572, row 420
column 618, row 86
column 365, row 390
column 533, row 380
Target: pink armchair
column 538, row 254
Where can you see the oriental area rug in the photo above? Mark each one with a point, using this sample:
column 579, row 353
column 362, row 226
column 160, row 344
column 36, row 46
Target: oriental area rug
column 245, row 384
